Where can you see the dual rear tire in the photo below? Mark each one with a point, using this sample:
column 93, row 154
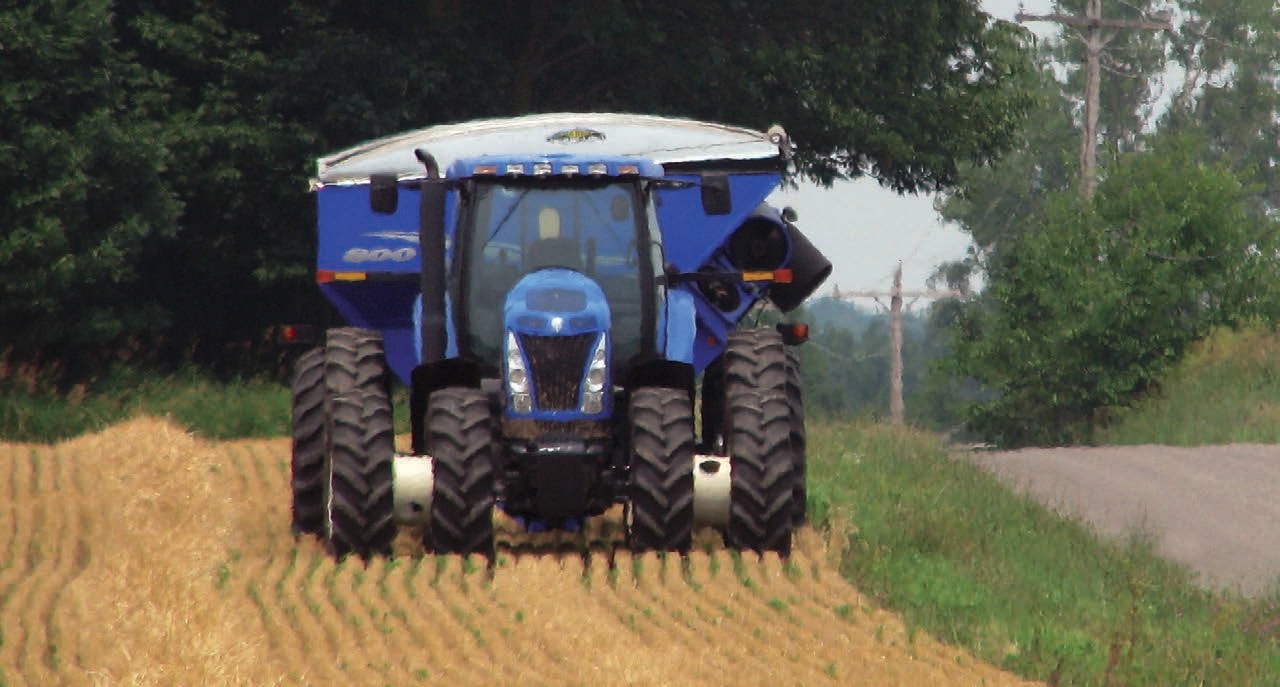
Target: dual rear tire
column 759, row 417
column 343, row 445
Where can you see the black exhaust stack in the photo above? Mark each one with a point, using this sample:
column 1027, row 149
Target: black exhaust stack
column 431, row 242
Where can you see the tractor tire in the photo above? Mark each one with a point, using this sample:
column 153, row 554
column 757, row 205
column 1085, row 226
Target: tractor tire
column 795, row 405
column 309, row 472
column 379, row 474
column 352, row 360
column 460, row 442
column 355, row 359
column 361, row 508
column 660, row 508
column 344, row 529
column 757, row 428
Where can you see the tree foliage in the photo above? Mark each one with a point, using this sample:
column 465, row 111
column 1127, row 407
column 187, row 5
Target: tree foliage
column 1093, row 303
column 1087, row 304
column 156, row 154
column 82, row 170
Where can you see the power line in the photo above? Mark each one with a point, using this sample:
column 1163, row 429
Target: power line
column 897, row 410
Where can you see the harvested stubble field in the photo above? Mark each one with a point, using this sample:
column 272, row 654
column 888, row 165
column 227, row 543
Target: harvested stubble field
column 143, row 556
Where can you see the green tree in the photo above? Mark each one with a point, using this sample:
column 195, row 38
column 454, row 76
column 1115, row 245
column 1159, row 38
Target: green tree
column 903, row 92
column 1094, row 302
column 83, row 176
column 240, row 254
column 160, row 151
column 1229, row 53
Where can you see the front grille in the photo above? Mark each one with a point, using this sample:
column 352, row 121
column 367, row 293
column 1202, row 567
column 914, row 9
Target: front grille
column 556, row 365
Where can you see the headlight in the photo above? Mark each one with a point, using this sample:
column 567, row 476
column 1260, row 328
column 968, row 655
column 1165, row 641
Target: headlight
column 597, row 377
column 517, row 376
column 598, row 367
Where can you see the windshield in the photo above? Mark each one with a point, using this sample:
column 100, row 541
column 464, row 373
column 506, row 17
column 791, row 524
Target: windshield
column 515, row 227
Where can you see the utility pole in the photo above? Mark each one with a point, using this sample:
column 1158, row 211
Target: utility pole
column 897, row 410
column 1090, row 29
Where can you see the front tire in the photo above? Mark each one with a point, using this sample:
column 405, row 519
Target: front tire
column 660, row 509
column 460, row 442
column 361, row 507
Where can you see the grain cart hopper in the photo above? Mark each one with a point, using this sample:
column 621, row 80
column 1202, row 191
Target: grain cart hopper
column 551, row 288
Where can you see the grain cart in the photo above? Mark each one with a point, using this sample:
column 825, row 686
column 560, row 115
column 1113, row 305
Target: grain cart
column 552, row 288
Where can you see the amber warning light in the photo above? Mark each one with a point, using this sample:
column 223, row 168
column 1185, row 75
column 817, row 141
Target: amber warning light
column 783, row 276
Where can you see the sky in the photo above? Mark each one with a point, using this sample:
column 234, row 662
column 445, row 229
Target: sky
column 865, row 229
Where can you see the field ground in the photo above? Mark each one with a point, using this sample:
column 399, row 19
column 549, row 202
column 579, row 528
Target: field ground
column 142, row 556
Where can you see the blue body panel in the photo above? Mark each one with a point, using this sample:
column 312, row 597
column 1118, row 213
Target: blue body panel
column 689, row 235
column 354, row 238
column 679, row 326
column 387, row 306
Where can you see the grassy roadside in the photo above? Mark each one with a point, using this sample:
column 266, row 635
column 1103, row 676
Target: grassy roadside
column 1227, row 390
column 968, row 561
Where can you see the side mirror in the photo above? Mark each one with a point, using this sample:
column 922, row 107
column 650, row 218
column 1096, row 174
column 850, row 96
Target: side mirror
column 384, row 195
column 789, row 214
column 716, row 199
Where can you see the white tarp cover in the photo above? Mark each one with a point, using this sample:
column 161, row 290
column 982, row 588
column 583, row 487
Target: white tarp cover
column 663, row 140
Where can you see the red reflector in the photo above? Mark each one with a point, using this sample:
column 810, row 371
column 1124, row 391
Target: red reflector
column 793, row 334
column 324, row 276
column 296, row 334
column 712, row 340
column 783, row 276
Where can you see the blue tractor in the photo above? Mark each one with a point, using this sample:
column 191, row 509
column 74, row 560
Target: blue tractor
column 558, row 292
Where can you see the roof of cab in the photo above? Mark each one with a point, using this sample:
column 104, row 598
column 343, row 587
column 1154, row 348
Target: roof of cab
column 663, row 140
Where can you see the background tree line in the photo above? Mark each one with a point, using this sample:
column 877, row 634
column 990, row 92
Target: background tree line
column 154, row 159
column 155, row 154
column 1088, row 302
column 1085, row 305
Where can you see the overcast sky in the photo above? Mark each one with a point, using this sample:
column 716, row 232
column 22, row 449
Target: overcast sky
column 865, row 229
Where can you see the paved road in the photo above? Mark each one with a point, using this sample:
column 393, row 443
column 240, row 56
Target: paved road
column 1215, row 508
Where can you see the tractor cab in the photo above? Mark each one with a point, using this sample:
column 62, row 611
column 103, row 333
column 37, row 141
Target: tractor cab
column 549, row 270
